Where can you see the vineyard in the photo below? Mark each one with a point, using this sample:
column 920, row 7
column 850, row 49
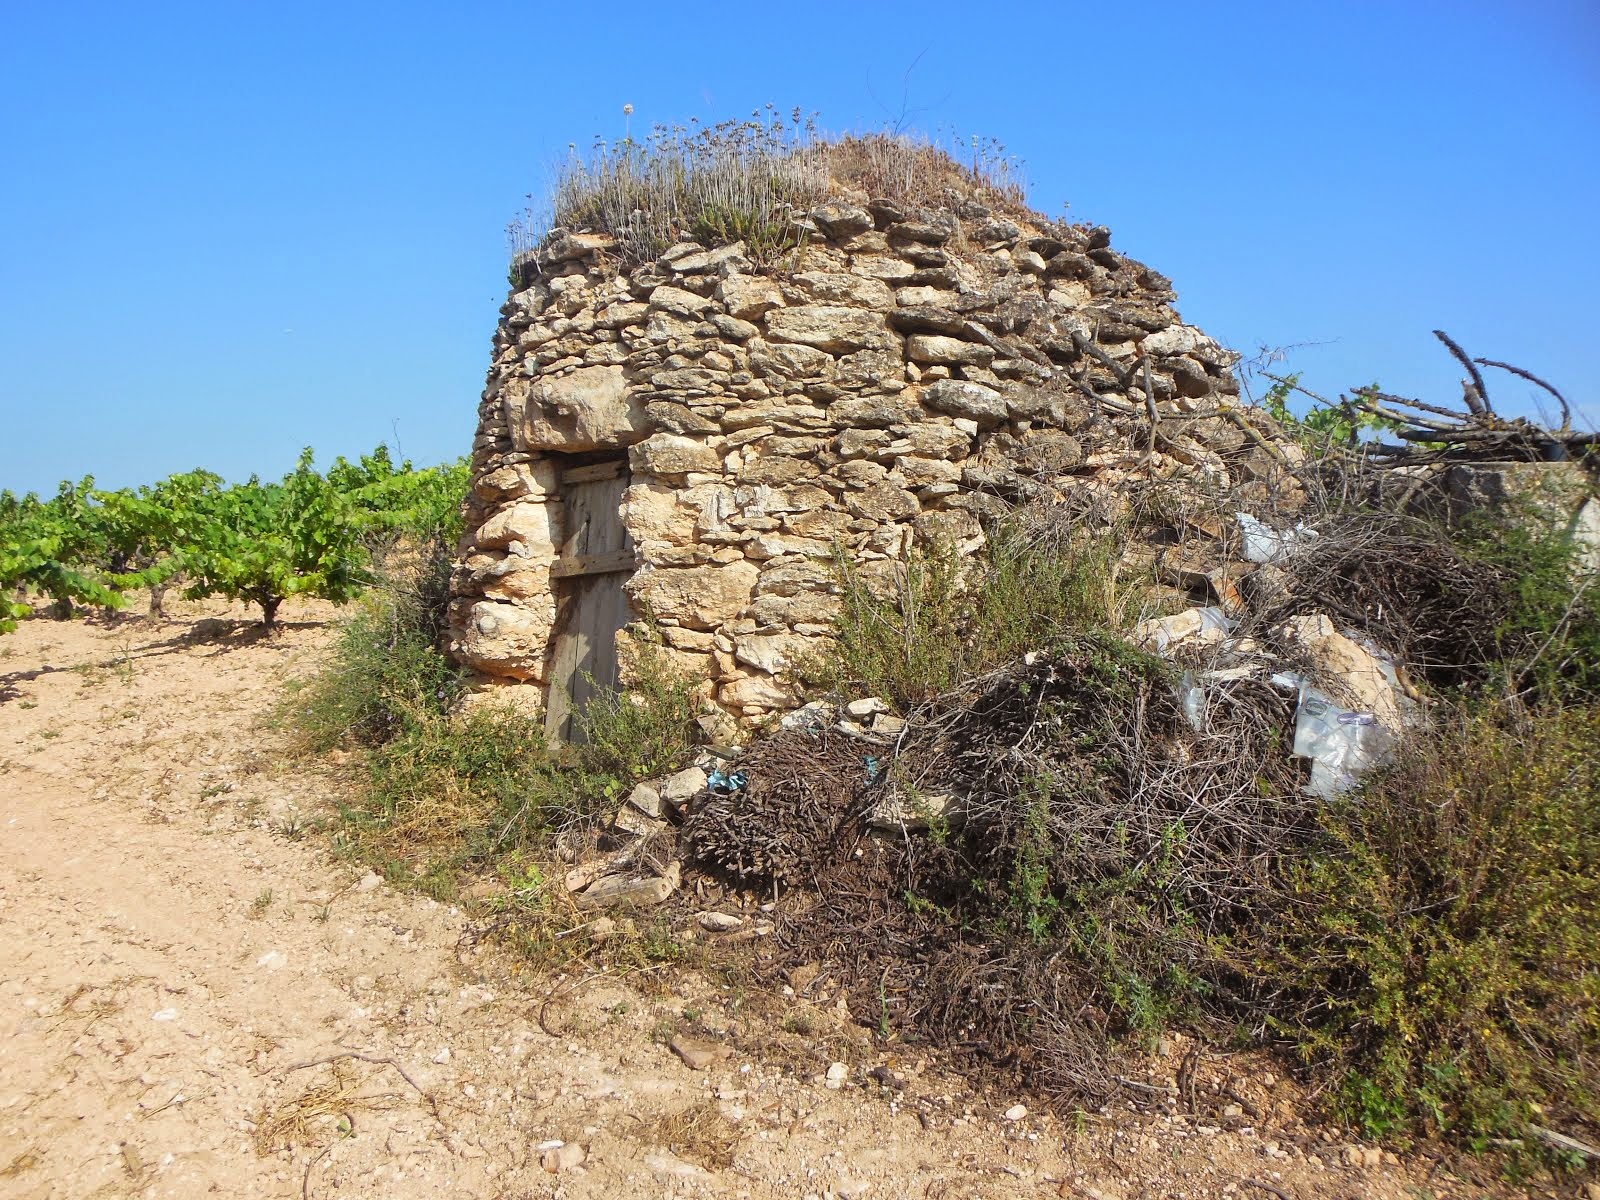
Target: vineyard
column 311, row 533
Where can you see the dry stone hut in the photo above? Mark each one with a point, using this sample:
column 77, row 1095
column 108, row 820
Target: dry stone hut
column 692, row 438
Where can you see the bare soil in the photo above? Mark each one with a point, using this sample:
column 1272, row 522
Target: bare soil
column 197, row 997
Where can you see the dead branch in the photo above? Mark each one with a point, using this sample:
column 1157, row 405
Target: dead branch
column 1562, row 1142
column 1476, row 397
column 1566, row 409
column 366, row 1058
column 1432, row 433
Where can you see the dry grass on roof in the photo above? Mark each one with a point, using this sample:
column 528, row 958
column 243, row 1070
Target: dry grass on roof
column 750, row 180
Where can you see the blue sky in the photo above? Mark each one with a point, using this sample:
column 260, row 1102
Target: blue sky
column 231, row 230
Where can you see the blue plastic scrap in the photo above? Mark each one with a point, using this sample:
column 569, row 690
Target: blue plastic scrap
column 731, row 783
column 874, row 766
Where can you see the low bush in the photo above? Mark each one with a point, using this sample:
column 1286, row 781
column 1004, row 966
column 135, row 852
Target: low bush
column 1547, row 636
column 449, row 785
column 946, row 619
column 1441, row 946
column 387, row 672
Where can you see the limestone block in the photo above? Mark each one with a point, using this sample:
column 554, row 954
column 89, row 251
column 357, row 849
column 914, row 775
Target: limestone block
column 883, row 502
column 778, row 471
column 527, row 304
column 882, row 370
column 1050, row 451
column 826, row 524
column 733, row 328
column 518, row 481
column 665, row 327
column 928, row 318
column 840, row 221
column 565, row 247
column 721, row 260
column 688, row 379
column 873, row 412
column 923, row 296
column 672, row 454
column 699, row 597
column 679, row 302
column 793, row 579
column 861, row 443
column 775, row 653
column 529, row 522
column 782, row 361
column 919, row 472
column 624, row 892
column 501, row 638
column 763, row 691
column 1047, row 407
column 935, row 348
column 779, row 545
column 517, row 578
column 881, row 266
column 713, row 505
column 799, row 498
column 786, row 412
column 933, row 440
column 621, row 313
column 1189, row 378
column 1191, row 629
column 857, row 291
column 651, row 512
column 814, row 609
column 590, row 408
column 955, row 528
column 1356, row 675
column 747, row 297
column 792, row 447
column 861, row 473
column 960, row 398
column 671, row 417
column 1175, row 339
column 829, row 327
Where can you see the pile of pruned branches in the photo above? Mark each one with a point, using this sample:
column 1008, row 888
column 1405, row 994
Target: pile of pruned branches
column 1101, row 848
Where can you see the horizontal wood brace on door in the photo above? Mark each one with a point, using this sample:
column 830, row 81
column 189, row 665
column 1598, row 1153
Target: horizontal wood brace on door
column 591, row 472
column 593, row 564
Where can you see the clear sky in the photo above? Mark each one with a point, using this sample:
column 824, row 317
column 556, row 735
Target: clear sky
column 228, row 230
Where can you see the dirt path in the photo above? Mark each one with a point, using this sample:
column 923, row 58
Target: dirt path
column 196, row 1000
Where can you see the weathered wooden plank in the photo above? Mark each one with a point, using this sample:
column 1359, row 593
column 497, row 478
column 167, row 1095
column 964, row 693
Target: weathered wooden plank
column 593, row 520
column 594, row 564
column 592, row 472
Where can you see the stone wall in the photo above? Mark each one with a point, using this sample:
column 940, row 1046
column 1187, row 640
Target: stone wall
column 904, row 373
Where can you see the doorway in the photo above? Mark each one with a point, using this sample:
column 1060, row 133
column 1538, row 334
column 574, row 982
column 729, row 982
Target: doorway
column 595, row 560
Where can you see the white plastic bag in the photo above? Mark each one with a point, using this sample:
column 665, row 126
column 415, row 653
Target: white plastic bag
column 1264, row 544
column 1342, row 745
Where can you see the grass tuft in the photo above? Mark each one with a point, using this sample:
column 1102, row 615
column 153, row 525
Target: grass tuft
column 946, row 619
column 750, row 181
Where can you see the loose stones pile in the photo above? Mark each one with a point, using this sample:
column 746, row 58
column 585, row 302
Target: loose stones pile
column 901, row 374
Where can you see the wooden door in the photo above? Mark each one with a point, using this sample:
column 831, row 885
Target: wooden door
column 596, row 559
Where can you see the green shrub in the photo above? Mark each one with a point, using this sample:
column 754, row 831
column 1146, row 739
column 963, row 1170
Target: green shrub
column 1548, row 635
column 1443, row 948
column 949, row 619
column 445, row 790
column 645, row 730
column 386, row 673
